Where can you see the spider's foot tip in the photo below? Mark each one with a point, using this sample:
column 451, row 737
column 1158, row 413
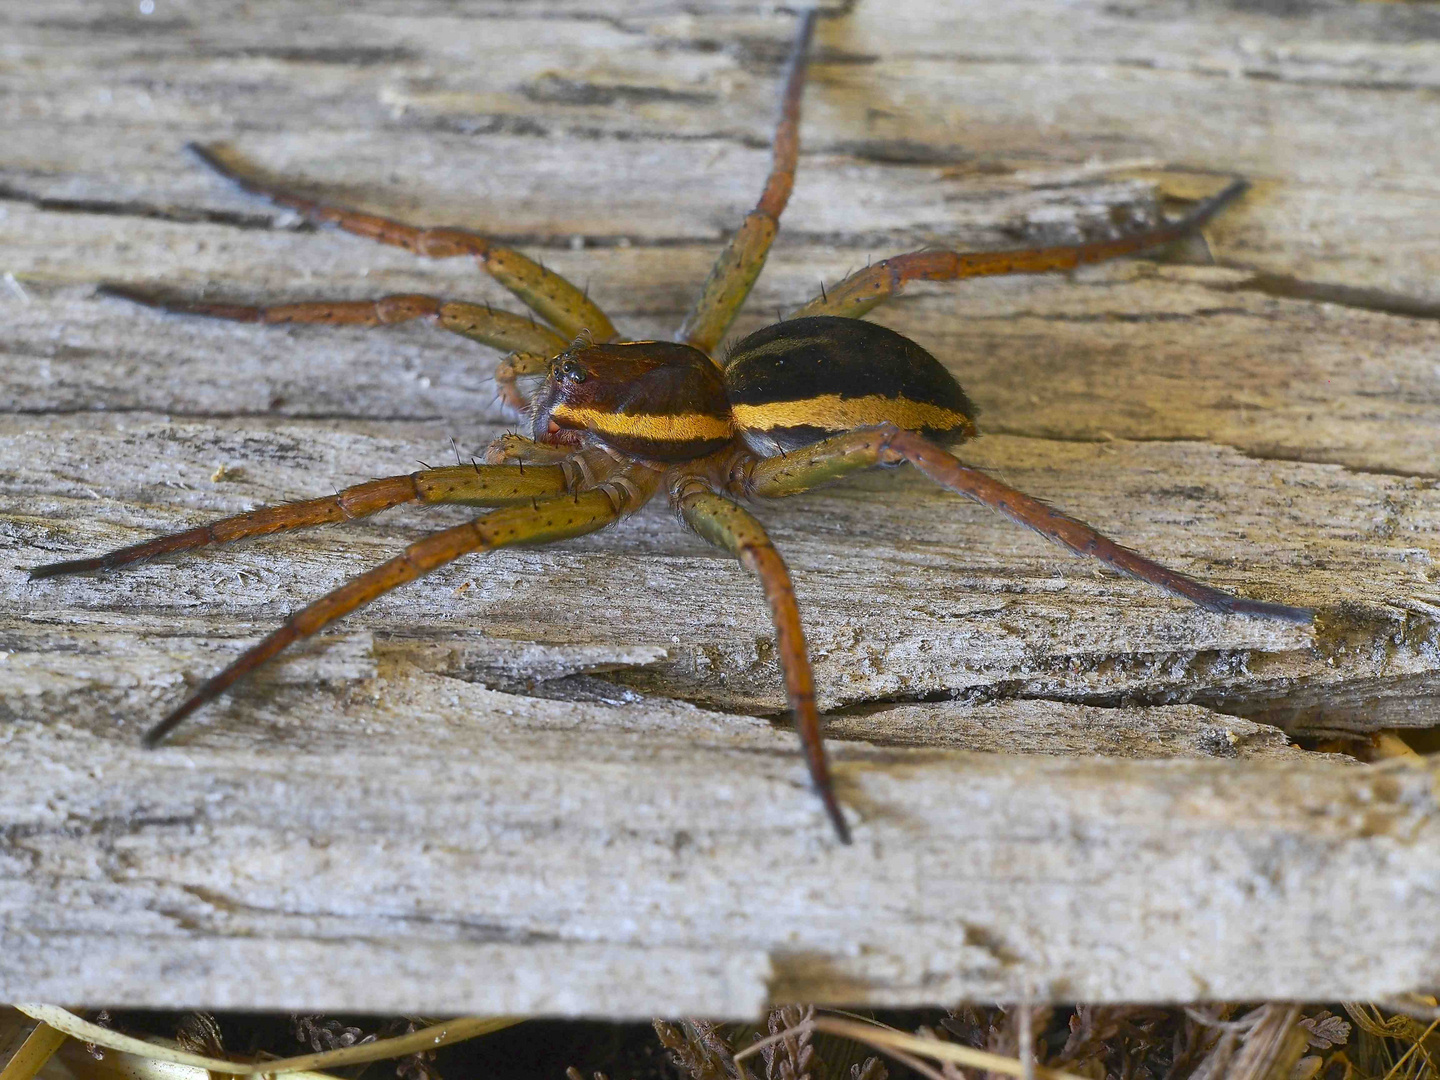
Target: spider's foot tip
column 1233, row 190
column 837, row 819
column 121, row 292
column 58, row 569
column 206, row 155
column 1301, row 616
column 1283, row 612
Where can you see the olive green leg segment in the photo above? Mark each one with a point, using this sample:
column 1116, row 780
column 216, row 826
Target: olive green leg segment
column 734, row 273
column 471, row 485
column 545, row 292
column 562, row 305
column 872, row 286
column 542, row 523
column 886, row 444
column 733, row 528
column 504, row 330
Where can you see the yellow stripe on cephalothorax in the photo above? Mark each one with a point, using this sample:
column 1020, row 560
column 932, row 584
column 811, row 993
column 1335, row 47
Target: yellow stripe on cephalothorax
column 657, row 427
column 834, row 413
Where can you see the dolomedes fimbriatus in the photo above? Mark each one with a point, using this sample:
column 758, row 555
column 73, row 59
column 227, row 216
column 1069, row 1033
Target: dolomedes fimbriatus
column 811, row 398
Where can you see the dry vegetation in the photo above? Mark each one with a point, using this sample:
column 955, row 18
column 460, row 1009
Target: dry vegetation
column 1275, row 1041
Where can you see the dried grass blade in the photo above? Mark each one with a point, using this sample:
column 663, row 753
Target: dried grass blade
column 1418, row 1044
column 425, row 1039
column 885, row 1040
column 77, row 1062
column 34, row 1052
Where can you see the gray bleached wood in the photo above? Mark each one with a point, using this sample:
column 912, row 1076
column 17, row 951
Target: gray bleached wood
column 488, row 792
column 518, row 845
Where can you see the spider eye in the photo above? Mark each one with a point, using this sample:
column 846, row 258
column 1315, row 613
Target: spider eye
column 572, row 371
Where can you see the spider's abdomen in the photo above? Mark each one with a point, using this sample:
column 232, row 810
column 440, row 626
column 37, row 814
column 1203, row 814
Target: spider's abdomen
column 800, row 381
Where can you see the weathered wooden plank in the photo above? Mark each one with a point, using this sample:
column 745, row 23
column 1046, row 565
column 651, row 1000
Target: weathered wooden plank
column 491, row 791
column 474, row 116
column 561, row 839
column 907, row 592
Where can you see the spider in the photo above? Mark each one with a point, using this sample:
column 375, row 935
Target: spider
column 613, row 422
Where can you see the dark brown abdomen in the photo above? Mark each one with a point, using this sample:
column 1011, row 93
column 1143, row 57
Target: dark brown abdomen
column 800, row 381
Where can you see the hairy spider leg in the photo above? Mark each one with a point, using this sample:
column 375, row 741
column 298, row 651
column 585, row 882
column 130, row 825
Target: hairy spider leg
column 540, row 523
column 735, row 529
column 502, row 330
column 473, row 485
column 529, row 345
column 557, row 301
column 886, row 444
column 738, row 266
column 867, row 288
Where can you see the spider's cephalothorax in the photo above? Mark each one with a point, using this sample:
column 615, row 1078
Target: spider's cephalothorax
column 655, row 400
column 614, row 422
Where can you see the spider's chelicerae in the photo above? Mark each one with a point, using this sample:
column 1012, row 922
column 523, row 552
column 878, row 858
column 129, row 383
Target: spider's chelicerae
column 615, row 422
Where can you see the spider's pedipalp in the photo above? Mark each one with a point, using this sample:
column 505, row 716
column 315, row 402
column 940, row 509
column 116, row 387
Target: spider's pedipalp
column 516, row 366
column 730, row 526
column 513, row 448
column 541, row 523
column 865, row 289
column 556, row 300
column 735, row 271
column 485, row 485
column 886, row 444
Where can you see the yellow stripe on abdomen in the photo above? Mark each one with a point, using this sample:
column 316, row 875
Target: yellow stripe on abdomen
column 656, row 427
column 831, row 412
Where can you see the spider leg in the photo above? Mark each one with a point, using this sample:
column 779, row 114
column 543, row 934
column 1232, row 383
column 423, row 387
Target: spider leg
column 499, row 329
column 865, row 289
column 733, row 274
column 548, row 521
column 886, row 444
column 529, row 345
column 475, row 485
column 549, row 295
column 733, row 528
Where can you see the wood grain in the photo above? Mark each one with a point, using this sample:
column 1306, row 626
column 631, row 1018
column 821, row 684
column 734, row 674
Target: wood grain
column 555, row 780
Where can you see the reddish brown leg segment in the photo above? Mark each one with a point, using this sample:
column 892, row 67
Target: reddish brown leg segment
column 502, row 330
column 740, row 264
column 729, row 526
column 886, row 444
column 555, row 519
column 476, row 485
column 866, row 288
column 548, row 294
